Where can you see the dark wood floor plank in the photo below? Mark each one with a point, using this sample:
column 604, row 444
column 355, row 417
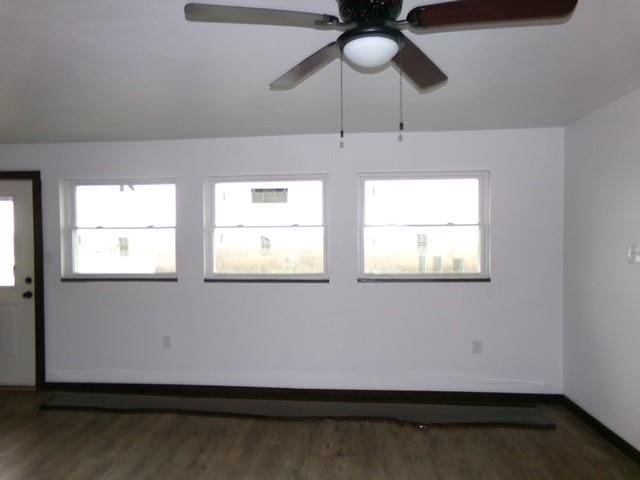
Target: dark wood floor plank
column 69, row 445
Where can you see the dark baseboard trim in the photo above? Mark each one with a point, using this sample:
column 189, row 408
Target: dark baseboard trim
column 388, row 396
column 605, row 432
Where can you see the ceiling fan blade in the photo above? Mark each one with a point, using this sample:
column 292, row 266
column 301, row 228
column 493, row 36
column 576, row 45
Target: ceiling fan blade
column 307, row 67
column 199, row 12
column 418, row 67
column 463, row 13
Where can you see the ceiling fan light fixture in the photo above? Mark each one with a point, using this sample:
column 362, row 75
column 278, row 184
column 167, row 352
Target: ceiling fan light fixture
column 370, row 47
column 371, row 51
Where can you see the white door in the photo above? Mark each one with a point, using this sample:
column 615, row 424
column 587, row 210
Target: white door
column 17, row 292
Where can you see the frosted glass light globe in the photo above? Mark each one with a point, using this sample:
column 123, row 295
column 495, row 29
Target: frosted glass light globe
column 371, row 51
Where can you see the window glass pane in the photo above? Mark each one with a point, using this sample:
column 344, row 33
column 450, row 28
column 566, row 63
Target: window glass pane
column 268, row 203
column 422, row 201
column 7, row 247
column 113, row 251
column 421, row 250
column 279, row 250
column 125, row 206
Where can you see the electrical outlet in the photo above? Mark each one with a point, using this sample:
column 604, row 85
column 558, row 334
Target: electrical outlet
column 476, row 347
column 166, row 341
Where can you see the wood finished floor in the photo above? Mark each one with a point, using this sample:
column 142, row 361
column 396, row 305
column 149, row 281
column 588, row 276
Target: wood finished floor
column 36, row 444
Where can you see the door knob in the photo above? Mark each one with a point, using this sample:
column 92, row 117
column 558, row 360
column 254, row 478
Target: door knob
column 28, row 280
column 27, row 294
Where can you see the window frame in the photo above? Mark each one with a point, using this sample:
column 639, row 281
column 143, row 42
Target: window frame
column 209, row 227
column 67, row 222
column 484, row 219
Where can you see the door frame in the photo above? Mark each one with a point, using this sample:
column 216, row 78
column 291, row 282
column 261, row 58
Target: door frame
column 38, row 256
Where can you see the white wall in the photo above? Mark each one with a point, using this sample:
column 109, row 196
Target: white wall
column 337, row 335
column 602, row 303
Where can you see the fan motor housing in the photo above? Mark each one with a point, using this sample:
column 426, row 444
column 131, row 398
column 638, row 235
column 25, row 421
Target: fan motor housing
column 369, row 12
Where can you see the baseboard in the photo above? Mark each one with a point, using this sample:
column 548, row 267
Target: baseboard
column 604, row 431
column 390, row 396
column 19, row 389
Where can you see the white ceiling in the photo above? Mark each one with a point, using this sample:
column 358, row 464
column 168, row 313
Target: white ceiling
column 107, row 70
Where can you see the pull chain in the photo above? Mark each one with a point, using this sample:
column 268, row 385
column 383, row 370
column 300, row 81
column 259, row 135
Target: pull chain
column 341, row 102
column 401, row 126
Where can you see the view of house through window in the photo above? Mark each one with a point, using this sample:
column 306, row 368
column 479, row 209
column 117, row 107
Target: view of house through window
column 267, row 228
column 422, row 227
column 123, row 229
column 431, row 225
column 7, row 246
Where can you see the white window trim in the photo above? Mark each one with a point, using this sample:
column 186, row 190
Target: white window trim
column 209, row 225
column 484, row 218
column 67, row 221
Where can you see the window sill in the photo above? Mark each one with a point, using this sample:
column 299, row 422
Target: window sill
column 118, row 279
column 424, row 280
column 266, row 280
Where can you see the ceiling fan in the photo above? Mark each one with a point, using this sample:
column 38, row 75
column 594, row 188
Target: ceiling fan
column 372, row 35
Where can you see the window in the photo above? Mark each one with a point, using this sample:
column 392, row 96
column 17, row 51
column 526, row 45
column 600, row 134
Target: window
column 119, row 229
column 7, row 243
column 265, row 229
column 424, row 226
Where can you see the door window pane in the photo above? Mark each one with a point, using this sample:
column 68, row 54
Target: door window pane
column 7, row 247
